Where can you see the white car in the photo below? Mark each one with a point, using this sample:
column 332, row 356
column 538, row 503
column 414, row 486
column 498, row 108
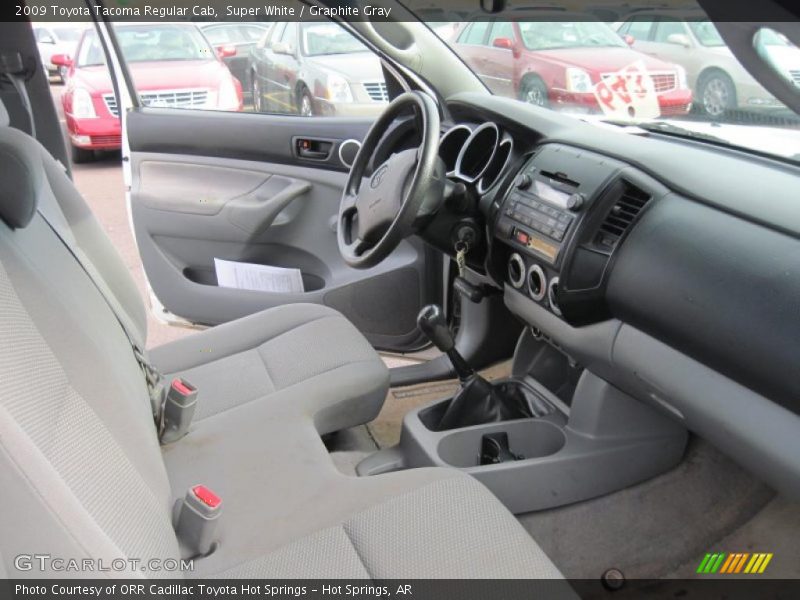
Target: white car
column 57, row 38
column 721, row 85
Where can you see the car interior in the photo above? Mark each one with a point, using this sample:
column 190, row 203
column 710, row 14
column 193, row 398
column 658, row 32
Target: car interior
column 610, row 322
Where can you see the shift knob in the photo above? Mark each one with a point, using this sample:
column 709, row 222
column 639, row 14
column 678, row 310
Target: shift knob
column 433, row 324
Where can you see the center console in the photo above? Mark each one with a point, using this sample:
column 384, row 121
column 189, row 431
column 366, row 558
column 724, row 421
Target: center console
column 556, row 226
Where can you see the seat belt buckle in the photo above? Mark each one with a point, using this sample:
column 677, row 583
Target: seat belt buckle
column 195, row 519
column 179, row 406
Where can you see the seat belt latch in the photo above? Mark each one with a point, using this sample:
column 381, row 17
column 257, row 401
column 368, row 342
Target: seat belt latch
column 195, row 519
column 178, row 410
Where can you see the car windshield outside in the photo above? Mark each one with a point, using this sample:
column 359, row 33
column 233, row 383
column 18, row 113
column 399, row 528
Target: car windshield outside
column 553, row 36
column 659, row 70
column 149, row 43
column 320, row 39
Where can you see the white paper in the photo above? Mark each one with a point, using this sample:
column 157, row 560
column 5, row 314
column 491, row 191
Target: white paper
column 259, row 278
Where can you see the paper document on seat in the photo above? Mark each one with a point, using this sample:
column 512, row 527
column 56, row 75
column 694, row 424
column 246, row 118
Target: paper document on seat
column 259, row 278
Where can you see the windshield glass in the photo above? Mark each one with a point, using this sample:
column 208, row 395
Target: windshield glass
column 652, row 68
column 149, row 43
column 552, row 36
column 326, row 38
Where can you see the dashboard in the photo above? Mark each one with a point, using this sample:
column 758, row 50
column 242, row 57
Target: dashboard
column 630, row 254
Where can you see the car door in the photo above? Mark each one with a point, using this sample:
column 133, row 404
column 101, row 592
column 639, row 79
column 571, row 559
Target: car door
column 471, row 46
column 500, row 61
column 260, row 189
column 641, row 31
column 671, row 41
column 286, row 63
column 262, row 70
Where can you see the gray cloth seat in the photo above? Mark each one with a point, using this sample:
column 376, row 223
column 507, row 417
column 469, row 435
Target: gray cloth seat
column 310, row 350
column 83, row 475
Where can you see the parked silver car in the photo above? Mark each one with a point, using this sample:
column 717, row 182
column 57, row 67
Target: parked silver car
column 719, row 82
column 316, row 69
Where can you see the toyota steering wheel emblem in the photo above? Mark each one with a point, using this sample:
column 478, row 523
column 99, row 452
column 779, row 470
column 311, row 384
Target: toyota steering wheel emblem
column 377, row 177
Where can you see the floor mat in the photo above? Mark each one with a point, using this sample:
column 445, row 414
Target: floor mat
column 650, row 529
column 385, row 429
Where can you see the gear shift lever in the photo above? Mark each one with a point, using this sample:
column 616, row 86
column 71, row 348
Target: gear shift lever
column 433, row 324
column 478, row 401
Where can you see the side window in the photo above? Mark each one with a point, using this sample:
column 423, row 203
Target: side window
column 289, row 36
column 43, row 36
column 276, row 33
column 329, row 73
column 224, row 34
column 251, row 33
column 475, row 33
column 640, row 30
column 264, row 40
column 664, row 29
column 502, row 29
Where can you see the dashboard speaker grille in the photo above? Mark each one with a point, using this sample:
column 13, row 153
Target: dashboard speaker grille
column 622, row 214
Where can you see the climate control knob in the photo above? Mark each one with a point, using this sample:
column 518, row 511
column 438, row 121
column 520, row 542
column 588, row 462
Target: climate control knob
column 524, row 181
column 575, row 202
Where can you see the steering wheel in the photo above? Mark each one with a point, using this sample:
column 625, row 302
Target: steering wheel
column 377, row 212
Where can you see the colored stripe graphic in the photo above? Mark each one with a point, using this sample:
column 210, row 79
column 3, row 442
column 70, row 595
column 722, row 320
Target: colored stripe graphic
column 727, row 564
column 734, row 563
column 764, row 564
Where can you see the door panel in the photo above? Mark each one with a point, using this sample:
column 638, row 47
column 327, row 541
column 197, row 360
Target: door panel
column 229, row 185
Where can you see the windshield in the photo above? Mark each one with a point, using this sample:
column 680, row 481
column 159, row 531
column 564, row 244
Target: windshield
column 149, row 43
column 646, row 68
column 320, row 39
column 552, row 36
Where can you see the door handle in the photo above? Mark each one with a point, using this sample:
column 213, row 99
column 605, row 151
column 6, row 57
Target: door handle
column 312, row 149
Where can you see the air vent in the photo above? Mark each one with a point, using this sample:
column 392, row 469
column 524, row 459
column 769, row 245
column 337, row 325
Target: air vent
column 622, row 214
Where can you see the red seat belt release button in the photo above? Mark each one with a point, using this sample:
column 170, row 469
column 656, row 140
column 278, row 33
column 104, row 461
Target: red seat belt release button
column 206, row 496
column 196, row 518
column 179, row 409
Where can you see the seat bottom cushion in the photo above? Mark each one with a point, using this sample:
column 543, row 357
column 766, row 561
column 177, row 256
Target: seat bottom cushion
column 313, row 351
column 451, row 528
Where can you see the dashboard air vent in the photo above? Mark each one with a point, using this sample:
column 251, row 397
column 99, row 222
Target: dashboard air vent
column 630, row 203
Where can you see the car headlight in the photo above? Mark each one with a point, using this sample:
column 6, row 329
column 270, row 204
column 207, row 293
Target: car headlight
column 338, row 89
column 82, row 104
column 682, row 81
column 228, row 96
column 578, row 80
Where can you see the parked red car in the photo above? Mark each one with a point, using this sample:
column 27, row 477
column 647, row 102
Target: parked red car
column 172, row 65
column 560, row 63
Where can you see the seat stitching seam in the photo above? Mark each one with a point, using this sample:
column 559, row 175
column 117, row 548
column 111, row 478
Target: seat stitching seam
column 355, row 549
column 288, row 387
column 256, row 346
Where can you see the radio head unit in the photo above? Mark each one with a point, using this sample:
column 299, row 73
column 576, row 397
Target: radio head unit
column 539, row 211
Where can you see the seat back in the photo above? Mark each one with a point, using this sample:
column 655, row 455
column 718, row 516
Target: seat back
column 80, row 465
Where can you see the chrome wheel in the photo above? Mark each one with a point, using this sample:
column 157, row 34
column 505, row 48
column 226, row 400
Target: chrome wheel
column 534, row 92
column 306, row 109
column 717, row 96
column 256, row 89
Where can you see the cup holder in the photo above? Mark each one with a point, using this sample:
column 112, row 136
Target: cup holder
column 528, row 438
